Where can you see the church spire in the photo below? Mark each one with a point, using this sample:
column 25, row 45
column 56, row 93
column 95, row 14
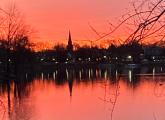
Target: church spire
column 70, row 38
column 70, row 45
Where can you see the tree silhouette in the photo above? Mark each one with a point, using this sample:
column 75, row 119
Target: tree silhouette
column 14, row 37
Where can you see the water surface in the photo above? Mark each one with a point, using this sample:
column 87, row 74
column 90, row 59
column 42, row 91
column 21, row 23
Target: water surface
column 85, row 94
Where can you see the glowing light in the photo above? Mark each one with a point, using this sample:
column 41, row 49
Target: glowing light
column 105, row 75
column 48, row 75
column 130, row 75
column 129, row 57
column 42, row 76
column 67, row 74
column 105, row 56
column 116, row 74
column 89, row 74
column 54, row 75
column 26, row 75
column 153, row 73
column 80, row 74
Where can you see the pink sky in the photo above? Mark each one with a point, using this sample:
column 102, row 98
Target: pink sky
column 53, row 18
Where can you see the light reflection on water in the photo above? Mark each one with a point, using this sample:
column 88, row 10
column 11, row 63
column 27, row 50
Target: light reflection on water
column 85, row 94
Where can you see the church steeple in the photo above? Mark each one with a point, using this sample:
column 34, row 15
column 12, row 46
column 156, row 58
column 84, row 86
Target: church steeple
column 70, row 45
column 70, row 38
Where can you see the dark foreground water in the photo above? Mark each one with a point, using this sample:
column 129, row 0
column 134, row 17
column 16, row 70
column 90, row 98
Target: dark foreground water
column 85, row 94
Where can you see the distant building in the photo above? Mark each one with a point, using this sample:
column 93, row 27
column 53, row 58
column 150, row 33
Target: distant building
column 153, row 51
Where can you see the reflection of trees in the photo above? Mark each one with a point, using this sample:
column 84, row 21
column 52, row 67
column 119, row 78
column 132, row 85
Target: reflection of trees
column 112, row 91
column 16, row 92
column 61, row 75
column 112, row 87
column 133, row 78
column 2, row 110
column 113, row 99
column 159, row 88
column 21, row 109
column 15, row 54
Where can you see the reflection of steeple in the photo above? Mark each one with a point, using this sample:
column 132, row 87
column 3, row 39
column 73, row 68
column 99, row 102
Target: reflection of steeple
column 70, row 45
column 70, row 82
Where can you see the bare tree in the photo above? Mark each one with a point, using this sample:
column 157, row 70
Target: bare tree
column 13, row 26
column 147, row 21
column 14, row 31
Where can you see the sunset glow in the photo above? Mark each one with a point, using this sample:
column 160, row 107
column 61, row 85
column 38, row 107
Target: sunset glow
column 51, row 19
column 82, row 59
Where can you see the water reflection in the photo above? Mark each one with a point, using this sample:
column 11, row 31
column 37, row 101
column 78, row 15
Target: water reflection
column 18, row 94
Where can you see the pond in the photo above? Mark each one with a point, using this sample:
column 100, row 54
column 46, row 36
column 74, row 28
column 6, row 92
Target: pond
column 85, row 94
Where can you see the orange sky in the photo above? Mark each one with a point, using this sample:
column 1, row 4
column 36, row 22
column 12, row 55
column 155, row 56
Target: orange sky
column 53, row 18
